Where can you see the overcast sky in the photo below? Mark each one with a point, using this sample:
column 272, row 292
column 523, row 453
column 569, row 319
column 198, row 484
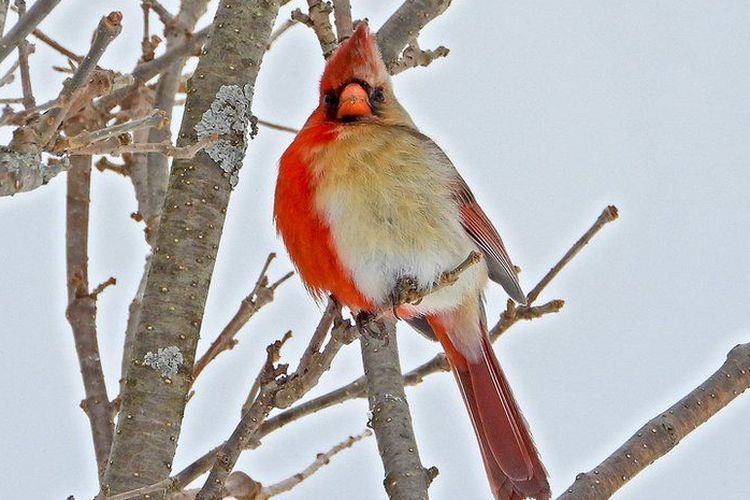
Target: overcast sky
column 551, row 110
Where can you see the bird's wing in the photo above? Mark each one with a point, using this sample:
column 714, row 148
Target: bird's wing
column 484, row 234
column 480, row 229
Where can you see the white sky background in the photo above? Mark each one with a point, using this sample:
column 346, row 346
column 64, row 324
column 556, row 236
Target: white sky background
column 551, row 110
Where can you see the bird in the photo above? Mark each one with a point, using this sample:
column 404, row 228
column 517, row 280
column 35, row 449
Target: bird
column 363, row 201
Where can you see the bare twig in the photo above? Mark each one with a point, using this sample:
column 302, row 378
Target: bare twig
column 261, row 295
column 241, row 486
column 73, row 88
column 281, row 30
column 226, row 458
column 321, row 460
column 405, row 24
column 405, row 477
column 314, row 362
column 165, row 16
column 81, row 311
column 252, row 395
column 276, row 126
column 238, row 485
column 44, row 38
column 662, row 433
column 319, row 20
column 24, row 49
column 608, row 215
column 145, row 71
column 407, row 293
column 8, row 77
column 156, row 119
column 279, row 393
column 3, row 14
column 165, row 148
column 25, row 24
column 103, row 164
column 342, row 17
column 413, row 56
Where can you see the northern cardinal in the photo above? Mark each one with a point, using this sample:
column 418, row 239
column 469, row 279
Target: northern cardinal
column 364, row 200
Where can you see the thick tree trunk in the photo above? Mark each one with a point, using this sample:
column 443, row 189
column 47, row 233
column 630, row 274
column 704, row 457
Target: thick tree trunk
column 163, row 350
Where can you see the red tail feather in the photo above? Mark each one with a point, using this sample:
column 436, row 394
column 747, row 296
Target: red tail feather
column 510, row 458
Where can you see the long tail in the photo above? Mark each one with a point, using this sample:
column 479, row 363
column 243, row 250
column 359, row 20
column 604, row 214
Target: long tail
column 511, row 460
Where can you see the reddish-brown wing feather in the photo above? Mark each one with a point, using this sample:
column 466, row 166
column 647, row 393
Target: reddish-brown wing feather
column 488, row 240
column 479, row 227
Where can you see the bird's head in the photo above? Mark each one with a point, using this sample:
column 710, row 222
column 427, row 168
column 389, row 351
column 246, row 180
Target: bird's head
column 356, row 85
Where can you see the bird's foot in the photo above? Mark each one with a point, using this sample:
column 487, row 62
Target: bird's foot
column 406, row 291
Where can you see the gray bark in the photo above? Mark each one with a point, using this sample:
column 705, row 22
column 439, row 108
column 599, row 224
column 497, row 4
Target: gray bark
column 163, row 350
column 405, row 477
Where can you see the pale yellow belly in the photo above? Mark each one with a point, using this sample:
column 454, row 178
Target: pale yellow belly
column 392, row 214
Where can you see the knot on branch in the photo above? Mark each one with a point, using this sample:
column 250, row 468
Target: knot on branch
column 392, row 480
column 240, row 485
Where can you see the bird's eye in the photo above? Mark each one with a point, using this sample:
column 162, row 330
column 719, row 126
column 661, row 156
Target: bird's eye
column 377, row 95
column 330, row 99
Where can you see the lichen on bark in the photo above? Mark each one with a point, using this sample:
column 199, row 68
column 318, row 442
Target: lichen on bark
column 228, row 117
column 166, row 361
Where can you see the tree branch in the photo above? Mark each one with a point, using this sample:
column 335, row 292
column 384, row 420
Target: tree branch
column 275, row 392
column 413, row 56
column 165, row 148
column 164, row 15
column 663, row 432
column 44, row 38
column 405, row 24
column 21, row 168
column 213, row 488
column 276, row 126
column 86, row 138
column 145, row 71
column 81, row 310
column 218, row 102
column 608, row 215
column 24, row 49
column 319, row 20
column 44, row 129
column 321, row 460
column 25, row 24
column 405, row 477
column 280, row 31
column 261, row 295
column 3, row 14
column 342, row 17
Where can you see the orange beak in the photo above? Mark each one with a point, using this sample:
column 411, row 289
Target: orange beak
column 353, row 102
